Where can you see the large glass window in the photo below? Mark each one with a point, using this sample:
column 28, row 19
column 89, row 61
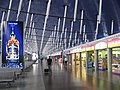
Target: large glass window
column 116, row 60
column 102, row 63
column 83, row 56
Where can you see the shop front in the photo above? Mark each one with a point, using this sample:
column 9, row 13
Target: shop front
column 114, row 44
column 116, row 60
column 78, row 58
column 73, row 59
column 101, row 47
column 102, row 57
column 75, row 52
column 90, row 59
column 57, row 57
column 83, row 57
column 90, row 52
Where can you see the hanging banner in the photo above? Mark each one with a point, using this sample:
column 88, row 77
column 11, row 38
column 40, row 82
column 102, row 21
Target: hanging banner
column 12, row 45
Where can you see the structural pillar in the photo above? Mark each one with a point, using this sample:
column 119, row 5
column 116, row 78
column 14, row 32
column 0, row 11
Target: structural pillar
column 70, row 59
column 75, row 59
column 80, row 59
column 109, row 59
column 96, row 59
column 86, row 59
column 109, row 64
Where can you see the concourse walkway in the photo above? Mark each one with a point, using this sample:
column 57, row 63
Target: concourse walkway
column 76, row 78
column 65, row 78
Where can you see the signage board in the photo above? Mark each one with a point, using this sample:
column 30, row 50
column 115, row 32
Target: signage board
column 90, row 47
column 113, row 43
column 101, row 45
column 12, row 44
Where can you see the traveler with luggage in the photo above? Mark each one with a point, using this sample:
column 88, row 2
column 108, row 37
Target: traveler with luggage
column 65, row 61
column 49, row 62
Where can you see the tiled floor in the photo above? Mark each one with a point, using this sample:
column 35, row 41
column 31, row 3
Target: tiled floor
column 65, row 78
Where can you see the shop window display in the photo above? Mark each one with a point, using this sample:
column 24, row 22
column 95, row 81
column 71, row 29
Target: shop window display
column 77, row 58
column 102, row 63
column 73, row 59
column 83, row 56
column 90, row 59
column 116, row 60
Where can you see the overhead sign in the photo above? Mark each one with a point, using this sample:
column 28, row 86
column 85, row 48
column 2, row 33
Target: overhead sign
column 101, row 45
column 56, row 53
column 12, row 45
column 90, row 47
column 83, row 48
column 67, row 51
column 113, row 43
column 75, row 50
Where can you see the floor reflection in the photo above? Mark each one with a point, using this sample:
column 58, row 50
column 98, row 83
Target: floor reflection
column 68, row 77
column 95, row 80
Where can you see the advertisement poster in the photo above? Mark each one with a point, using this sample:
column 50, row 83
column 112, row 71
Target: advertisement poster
column 12, row 45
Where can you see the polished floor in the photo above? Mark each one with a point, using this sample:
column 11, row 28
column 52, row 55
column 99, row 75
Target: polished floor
column 65, row 78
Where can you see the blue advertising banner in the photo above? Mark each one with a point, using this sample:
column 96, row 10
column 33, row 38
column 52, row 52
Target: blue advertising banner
column 12, row 44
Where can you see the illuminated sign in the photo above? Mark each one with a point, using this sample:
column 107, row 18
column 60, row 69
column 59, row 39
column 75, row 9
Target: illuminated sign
column 101, row 45
column 75, row 50
column 56, row 54
column 12, row 45
column 113, row 42
column 90, row 47
column 67, row 51
column 83, row 48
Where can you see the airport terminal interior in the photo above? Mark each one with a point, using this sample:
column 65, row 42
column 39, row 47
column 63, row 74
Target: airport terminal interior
column 59, row 44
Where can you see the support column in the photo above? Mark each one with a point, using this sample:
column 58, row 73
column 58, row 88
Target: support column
column 70, row 59
column 86, row 59
column 109, row 59
column 80, row 59
column 109, row 64
column 96, row 59
column 75, row 59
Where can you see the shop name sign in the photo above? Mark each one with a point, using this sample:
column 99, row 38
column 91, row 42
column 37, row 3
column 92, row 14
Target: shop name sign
column 67, row 51
column 113, row 43
column 83, row 48
column 91, row 47
column 75, row 50
column 101, row 45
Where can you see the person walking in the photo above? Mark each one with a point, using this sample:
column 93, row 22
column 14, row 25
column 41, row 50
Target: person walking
column 41, row 60
column 65, row 61
column 49, row 62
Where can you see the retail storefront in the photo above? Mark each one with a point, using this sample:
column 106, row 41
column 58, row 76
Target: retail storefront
column 114, row 44
column 102, row 57
column 68, row 56
column 57, row 57
column 116, row 59
column 75, row 53
column 73, row 59
column 83, row 57
column 78, row 58
column 104, row 54
column 101, row 47
column 90, row 51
